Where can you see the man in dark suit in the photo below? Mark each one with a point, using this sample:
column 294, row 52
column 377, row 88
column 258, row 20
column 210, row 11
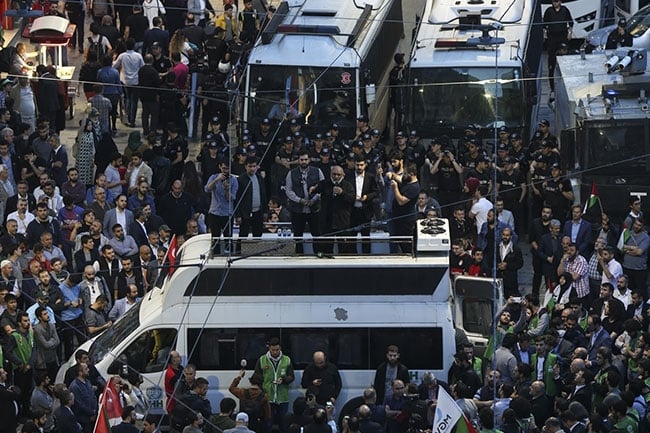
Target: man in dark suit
column 542, row 405
column 599, row 337
column 8, row 405
column 638, row 309
column 138, row 229
column 250, row 201
column 550, row 253
column 579, row 231
column 571, row 423
column 111, row 216
column 582, row 392
column 337, row 198
column 509, row 261
column 382, row 383
column 64, row 418
column 366, row 192
column 48, row 95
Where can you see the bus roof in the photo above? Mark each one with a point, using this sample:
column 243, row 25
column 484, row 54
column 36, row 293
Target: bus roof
column 438, row 39
column 341, row 33
column 384, row 277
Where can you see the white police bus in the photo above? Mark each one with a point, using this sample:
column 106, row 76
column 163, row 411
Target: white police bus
column 460, row 77
column 217, row 311
column 326, row 60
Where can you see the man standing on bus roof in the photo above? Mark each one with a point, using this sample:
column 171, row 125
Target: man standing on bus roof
column 388, row 371
column 276, row 371
column 300, row 184
column 322, row 379
column 619, row 37
column 558, row 28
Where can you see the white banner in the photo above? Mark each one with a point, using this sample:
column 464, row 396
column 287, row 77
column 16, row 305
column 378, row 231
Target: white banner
column 447, row 413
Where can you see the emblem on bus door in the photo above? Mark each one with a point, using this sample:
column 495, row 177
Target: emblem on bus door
column 346, row 78
column 341, row 313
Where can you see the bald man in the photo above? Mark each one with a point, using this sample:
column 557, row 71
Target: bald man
column 322, row 378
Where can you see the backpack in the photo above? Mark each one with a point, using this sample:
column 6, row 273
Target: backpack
column 252, row 407
column 97, row 47
column 7, row 55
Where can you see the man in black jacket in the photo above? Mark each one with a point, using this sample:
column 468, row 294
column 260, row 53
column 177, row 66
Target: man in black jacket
column 388, row 371
column 322, row 379
column 250, row 201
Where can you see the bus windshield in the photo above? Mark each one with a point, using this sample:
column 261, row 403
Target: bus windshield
column 114, row 335
column 321, row 96
column 608, row 148
column 457, row 97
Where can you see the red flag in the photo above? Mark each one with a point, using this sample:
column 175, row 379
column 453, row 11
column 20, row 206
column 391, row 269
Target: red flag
column 110, row 408
column 101, row 425
column 171, row 254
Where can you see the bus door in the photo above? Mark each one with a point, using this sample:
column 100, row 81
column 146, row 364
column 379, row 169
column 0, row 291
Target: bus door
column 475, row 307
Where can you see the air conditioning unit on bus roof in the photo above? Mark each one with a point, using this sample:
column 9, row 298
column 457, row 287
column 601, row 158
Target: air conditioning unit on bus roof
column 432, row 235
column 450, row 11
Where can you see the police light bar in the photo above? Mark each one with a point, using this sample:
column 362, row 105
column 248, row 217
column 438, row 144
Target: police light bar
column 308, row 29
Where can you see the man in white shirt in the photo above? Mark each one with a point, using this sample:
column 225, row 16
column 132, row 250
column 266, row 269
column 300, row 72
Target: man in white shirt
column 612, row 269
column 480, row 206
column 129, row 63
column 21, row 216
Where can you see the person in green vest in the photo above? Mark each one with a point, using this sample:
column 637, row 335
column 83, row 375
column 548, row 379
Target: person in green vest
column 21, row 353
column 276, row 371
column 545, row 364
column 505, row 325
column 539, row 318
column 625, row 420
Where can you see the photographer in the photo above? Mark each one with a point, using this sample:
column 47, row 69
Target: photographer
column 405, row 192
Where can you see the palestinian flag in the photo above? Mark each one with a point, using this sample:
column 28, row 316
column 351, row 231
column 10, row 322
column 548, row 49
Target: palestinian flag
column 593, row 209
column 625, row 235
column 448, row 415
column 593, row 198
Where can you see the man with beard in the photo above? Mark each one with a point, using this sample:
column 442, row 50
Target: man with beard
column 388, row 371
column 540, row 227
column 300, row 184
column 322, row 379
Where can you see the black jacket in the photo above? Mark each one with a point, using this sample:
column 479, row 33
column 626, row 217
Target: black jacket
column 380, row 378
column 330, row 385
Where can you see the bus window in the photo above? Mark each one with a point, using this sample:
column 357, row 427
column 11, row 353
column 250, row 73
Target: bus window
column 420, row 348
column 149, row 352
column 477, row 316
column 224, row 349
column 303, row 345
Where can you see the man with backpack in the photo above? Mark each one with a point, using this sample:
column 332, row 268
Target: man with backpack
column 98, row 43
column 253, row 401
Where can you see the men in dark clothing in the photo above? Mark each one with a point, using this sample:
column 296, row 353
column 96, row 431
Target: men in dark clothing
column 176, row 207
column 192, row 402
column 388, row 371
column 619, row 37
column 194, row 34
column 149, row 82
column 322, row 379
column 304, row 204
column 406, row 192
column 558, row 26
column 539, row 228
column 251, row 200
column 550, row 253
column 337, row 197
column 156, row 35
